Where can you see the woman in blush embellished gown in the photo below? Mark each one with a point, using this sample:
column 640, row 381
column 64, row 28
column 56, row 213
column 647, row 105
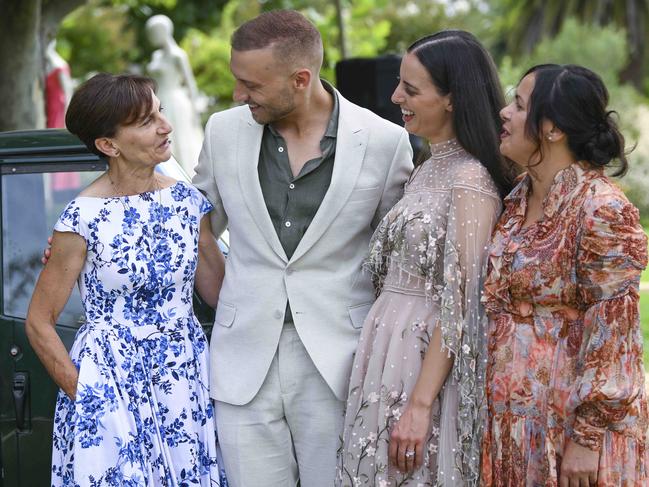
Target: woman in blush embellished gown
column 414, row 408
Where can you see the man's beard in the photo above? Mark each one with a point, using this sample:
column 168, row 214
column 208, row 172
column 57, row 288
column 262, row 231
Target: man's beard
column 284, row 106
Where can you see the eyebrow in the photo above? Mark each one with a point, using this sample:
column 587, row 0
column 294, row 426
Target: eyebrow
column 409, row 85
column 247, row 82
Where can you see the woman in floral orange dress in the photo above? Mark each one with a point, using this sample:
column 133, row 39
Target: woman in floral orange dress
column 565, row 378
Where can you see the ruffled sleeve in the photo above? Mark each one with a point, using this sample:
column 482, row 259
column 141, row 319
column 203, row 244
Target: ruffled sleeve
column 473, row 214
column 71, row 220
column 612, row 254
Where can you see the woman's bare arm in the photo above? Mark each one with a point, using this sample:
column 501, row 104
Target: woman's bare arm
column 52, row 291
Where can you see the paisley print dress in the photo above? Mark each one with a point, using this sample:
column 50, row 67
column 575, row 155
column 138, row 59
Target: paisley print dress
column 565, row 349
column 142, row 415
column 427, row 257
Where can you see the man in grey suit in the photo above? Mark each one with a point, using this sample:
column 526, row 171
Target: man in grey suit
column 301, row 177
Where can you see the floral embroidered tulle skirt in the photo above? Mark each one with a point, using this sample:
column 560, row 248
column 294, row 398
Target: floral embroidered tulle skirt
column 393, row 343
column 142, row 413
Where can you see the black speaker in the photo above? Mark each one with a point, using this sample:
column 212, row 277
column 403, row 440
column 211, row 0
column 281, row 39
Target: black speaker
column 369, row 82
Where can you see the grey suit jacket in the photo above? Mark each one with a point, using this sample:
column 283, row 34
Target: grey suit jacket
column 329, row 294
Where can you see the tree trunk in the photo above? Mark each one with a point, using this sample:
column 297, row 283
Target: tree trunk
column 636, row 31
column 26, row 26
column 21, row 81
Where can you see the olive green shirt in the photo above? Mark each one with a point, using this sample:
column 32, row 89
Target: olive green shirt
column 292, row 202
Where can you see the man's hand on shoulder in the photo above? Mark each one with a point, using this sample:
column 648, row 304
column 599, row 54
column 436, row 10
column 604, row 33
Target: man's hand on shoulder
column 47, row 253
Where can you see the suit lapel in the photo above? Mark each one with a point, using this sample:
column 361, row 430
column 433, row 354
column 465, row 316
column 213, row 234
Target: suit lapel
column 248, row 147
column 351, row 142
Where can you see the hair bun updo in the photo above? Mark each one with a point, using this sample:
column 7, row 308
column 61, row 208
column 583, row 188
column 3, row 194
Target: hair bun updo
column 605, row 144
column 575, row 100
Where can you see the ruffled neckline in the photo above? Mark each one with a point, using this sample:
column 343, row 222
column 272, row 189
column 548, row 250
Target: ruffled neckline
column 564, row 182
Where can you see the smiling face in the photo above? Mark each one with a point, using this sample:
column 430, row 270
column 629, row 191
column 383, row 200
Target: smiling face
column 145, row 141
column 263, row 83
column 425, row 111
column 514, row 142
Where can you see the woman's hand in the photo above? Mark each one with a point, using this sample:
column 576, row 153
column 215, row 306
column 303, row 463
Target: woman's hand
column 71, row 387
column 408, row 438
column 579, row 466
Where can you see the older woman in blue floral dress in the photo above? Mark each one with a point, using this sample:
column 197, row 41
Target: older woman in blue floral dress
column 134, row 406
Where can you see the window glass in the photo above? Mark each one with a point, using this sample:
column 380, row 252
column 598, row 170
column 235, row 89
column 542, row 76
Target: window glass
column 31, row 205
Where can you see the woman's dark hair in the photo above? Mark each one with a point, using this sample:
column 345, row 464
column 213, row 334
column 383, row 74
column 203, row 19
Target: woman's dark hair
column 574, row 99
column 104, row 103
column 458, row 65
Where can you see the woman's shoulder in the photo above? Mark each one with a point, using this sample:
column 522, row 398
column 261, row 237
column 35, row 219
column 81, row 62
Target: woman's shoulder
column 99, row 188
column 600, row 192
column 470, row 173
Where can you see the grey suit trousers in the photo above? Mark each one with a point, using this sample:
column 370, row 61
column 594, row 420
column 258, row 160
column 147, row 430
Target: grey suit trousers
column 289, row 431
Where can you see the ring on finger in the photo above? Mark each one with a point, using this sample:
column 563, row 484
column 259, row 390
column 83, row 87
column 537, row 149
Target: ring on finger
column 409, row 453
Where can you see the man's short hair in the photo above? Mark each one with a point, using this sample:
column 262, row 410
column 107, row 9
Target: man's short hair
column 295, row 40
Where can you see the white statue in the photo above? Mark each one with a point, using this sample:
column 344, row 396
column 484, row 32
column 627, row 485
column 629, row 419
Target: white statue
column 177, row 91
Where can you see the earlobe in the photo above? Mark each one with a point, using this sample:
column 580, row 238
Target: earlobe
column 554, row 134
column 449, row 104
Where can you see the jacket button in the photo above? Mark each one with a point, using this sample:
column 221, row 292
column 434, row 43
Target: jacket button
column 289, row 272
column 278, row 314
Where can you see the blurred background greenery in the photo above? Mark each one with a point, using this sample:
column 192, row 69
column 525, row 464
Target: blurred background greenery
column 608, row 36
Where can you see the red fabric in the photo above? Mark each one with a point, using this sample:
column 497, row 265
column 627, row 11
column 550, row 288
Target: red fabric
column 55, row 103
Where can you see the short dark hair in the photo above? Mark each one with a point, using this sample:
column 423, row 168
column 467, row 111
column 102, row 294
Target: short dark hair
column 292, row 36
column 575, row 99
column 104, row 103
column 460, row 66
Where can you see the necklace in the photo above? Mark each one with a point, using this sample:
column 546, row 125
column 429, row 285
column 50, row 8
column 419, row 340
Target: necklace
column 124, row 199
column 121, row 194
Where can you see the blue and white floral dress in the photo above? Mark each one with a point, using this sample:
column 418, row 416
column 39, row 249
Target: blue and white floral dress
column 142, row 415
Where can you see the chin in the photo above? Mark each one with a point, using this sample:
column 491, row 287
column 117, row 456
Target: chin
column 504, row 151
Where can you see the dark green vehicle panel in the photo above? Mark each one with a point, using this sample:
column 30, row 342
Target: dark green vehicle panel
column 40, row 172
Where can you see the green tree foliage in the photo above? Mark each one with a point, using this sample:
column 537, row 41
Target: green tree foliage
column 524, row 23
column 209, row 51
column 109, row 35
column 96, row 38
column 413, row 20
column 602, row 49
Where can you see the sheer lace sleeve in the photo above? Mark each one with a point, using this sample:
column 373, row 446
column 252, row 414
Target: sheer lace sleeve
column 473, row 214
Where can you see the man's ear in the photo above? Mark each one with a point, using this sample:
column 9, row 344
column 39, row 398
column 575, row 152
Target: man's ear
column 302, row 78
column 106, row 146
